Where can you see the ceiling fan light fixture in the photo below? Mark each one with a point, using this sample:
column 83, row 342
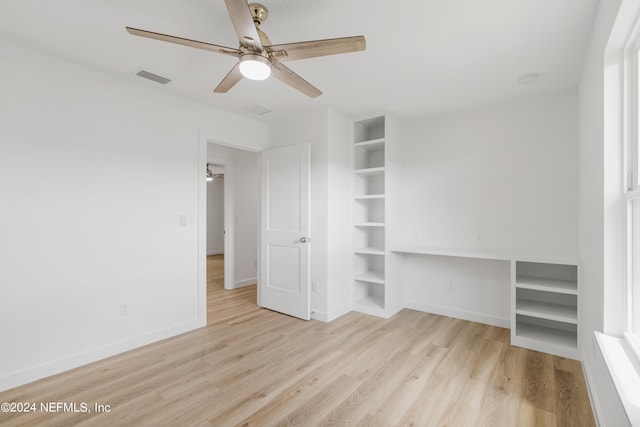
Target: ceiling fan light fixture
column 257, row 57
column 255, row 67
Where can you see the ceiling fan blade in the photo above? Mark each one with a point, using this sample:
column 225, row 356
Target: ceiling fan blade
column 286, row 75
column 230, row 80
column 243, row 23
column 315, row 48
column 183, row 41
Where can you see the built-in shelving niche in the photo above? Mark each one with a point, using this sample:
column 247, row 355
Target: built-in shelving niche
column 369, row 216
column 546, row 299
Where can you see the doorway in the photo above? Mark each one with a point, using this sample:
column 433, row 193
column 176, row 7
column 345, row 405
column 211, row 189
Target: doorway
column 215, row 230
column 215, row 209
column 232, row 209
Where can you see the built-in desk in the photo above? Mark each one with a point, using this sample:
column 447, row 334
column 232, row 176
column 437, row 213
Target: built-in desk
column 545, row 297
column 480, row 254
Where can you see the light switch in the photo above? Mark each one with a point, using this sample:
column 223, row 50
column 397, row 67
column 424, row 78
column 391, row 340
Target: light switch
column 184, row 220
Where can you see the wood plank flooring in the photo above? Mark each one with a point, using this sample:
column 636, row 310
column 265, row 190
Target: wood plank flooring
column 254, row 367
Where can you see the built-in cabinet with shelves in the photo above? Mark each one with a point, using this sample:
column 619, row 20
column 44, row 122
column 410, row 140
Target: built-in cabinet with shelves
column 545, row 307
column 370, row 288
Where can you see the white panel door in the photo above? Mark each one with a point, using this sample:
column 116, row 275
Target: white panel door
column 285, row 240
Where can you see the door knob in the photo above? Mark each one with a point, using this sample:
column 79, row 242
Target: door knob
column 303, row 240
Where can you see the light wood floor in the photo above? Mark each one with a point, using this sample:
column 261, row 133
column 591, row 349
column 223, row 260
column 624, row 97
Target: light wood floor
column 254, row 367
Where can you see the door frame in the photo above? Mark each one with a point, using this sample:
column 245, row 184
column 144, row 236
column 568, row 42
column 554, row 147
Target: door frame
column 201, row 221
column 229, row 214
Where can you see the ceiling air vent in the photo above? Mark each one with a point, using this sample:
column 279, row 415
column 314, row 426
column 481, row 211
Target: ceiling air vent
column 154, row 77
column 257, row 109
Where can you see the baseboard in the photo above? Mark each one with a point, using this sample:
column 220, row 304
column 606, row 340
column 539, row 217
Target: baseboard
column 218, row 252
column 243, row 283
column 80, row 359
column 591, row 392
column 459, row 314
column 330, row 317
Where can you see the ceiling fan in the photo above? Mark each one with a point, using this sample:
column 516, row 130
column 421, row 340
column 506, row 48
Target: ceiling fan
column 257, row 57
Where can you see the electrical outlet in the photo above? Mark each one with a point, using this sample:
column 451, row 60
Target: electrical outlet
column 315, row 287
column 450, row 285
column 124, row 308
column 255, row 263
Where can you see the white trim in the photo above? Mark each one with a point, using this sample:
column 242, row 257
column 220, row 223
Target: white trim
column 629, row 92
column 591, row 392
column 229, row 214
column 205, row 137
column 259, row 231
column 625, row 375
column 630, row 265
column 320, row 316
column 629, row 100
column 86, row 357
column 330, row 317
column 236, row 146
column 632, row 195
column 459, row 314
column 632, row 342
column 246, row 282
column 201, row 222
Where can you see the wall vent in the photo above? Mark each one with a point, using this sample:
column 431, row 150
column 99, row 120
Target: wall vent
column 154, row 77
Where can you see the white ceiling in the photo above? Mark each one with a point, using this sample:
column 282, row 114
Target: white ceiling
column 423, row 56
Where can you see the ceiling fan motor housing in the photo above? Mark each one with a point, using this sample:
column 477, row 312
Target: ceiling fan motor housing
column 259, row 12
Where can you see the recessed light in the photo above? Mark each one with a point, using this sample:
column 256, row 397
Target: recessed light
column 528, row 79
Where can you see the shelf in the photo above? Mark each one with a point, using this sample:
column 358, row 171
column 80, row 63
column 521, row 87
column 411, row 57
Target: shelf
column 547, row 285
column 371, row 305
column 543, row 310
column 370, row 295
column 461, row 253
column 372, row 145
column 369, row 197
column 369, row 251
column 478, row 254
column 371, row 277
column 370, row 171
column 545, row 297
column 547, row 335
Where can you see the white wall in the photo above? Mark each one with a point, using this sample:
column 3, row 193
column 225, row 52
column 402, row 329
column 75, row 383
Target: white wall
column 597, row 238
column 507, row 173
column 95, row 173
column 339, row 218
column 242, row 176
column 215, row 216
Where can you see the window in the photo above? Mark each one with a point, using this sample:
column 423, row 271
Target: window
column 622, row 212
column 633, row 244
column 631, row 89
